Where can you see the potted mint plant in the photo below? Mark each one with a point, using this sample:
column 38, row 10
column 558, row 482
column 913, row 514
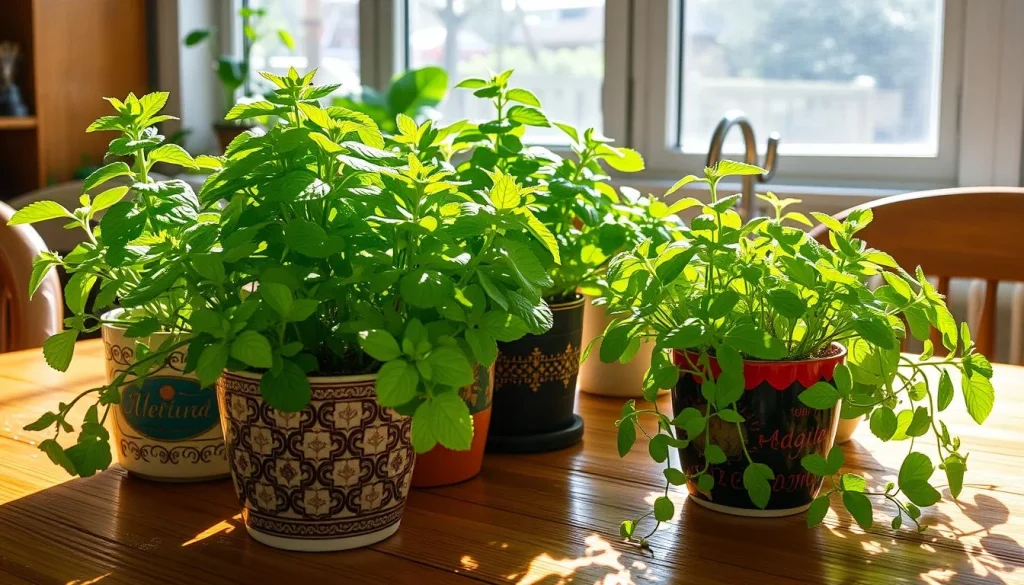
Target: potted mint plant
column 138, row 249
column 535, row 377
column 414, row 93
column 346, row 311
column 768, row 330
column 235, row 73
column 637, row 218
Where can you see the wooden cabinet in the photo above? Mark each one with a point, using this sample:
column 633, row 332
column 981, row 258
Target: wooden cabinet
column 74, row 53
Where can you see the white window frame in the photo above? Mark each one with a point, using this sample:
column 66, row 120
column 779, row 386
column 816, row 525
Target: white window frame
column 980, row 122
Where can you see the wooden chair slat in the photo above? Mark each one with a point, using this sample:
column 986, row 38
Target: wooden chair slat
column 952, row 233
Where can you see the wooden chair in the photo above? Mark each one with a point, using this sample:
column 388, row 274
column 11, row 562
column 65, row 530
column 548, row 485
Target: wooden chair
column 25, row 323
column 965, row 233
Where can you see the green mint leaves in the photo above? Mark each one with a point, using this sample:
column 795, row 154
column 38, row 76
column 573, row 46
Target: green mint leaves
column 729, row 290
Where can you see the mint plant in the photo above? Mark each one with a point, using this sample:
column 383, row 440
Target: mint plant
column 339, row 256
column 571, row 197
column 413, row 93
column 140, row 240
column 764, row 290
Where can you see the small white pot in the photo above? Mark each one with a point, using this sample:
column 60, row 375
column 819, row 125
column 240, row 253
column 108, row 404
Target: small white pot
column 615, row 379
column 330, row 477
column 166, row 428
column 846, row 428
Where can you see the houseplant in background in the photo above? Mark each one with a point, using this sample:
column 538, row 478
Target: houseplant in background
column 760, row 318
column 235, row 73
column 413, row 93
column 638, row 218
column 165, row 424
column 535, row 377
column 347, row 311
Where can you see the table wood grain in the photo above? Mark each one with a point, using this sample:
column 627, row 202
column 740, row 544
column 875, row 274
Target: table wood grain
column 541, row 519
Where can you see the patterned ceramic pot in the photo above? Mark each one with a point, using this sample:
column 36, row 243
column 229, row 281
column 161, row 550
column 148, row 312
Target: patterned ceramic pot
column 615, row 379
column 535, row 386
column 779, row 431
column 167, row 428
column 441, row 466
column 332, row 476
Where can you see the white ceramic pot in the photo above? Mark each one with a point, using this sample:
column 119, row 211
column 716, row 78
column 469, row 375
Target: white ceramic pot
column 846, row 428
column 332, row 476
column 615, row 379
column 167, row 427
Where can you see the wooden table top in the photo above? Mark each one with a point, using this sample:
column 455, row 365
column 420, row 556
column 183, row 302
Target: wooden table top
column 527, row 519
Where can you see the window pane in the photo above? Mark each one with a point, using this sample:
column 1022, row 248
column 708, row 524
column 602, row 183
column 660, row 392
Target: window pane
column 326, row 34
column 836, row 77
column 555, row 46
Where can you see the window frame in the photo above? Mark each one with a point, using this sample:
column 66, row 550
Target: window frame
column 981, row 108
column 658, row 83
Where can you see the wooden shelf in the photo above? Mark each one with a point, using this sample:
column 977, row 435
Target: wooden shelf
column 17, row 122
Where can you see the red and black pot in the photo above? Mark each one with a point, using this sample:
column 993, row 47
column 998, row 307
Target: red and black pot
column 778, row 431
column 535, row 386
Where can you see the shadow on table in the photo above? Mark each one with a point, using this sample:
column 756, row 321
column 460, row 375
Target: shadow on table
column 944, row 539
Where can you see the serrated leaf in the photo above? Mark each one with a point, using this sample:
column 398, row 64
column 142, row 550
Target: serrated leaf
column 252, row 349
column 945, row 391
column 979, row 396
column 397, row 381
column 287, row 390
column 172, row 154
column 39, row 211
column 443, row 419
column 450, row 366
column 59, row 348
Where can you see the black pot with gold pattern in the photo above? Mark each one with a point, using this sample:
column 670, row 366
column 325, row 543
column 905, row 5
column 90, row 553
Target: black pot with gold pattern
column 535, row 386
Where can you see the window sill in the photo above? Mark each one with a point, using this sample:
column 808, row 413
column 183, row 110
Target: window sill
column 826, row 199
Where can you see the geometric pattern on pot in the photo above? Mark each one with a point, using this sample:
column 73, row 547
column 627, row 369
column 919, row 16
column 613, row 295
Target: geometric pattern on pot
column 340, row 467
column 537, row 368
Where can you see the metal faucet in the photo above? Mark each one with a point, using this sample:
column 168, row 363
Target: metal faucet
column 738, row 118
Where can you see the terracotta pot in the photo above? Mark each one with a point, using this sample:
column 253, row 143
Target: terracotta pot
column 441, row 466
column 166, row 428
column 228, row 132
column 847, row 426
column 779, row 431
column 615, row 379
column 332, row 476
column 535, row 387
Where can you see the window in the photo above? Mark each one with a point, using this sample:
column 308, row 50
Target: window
column 862, row 92
column 326, row 34
column 841, row 77
column 555, row 46
column 893, row 94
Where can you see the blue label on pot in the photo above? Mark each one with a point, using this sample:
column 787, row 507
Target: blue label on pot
column 169, row 409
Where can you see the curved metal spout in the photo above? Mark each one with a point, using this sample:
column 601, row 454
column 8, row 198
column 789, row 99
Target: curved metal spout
column 738, row 118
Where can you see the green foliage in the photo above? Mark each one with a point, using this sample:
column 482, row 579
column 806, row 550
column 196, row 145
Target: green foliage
column 339, row 253
column 138, row 254
column 234, row 73
column 413, row 93
column 582, row 221
column 764, row 290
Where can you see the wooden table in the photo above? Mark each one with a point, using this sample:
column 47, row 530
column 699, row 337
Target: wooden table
column 537, row 519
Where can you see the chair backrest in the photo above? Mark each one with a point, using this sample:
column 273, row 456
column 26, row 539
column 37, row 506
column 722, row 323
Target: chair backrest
column 25, row 323
column 975, row 232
